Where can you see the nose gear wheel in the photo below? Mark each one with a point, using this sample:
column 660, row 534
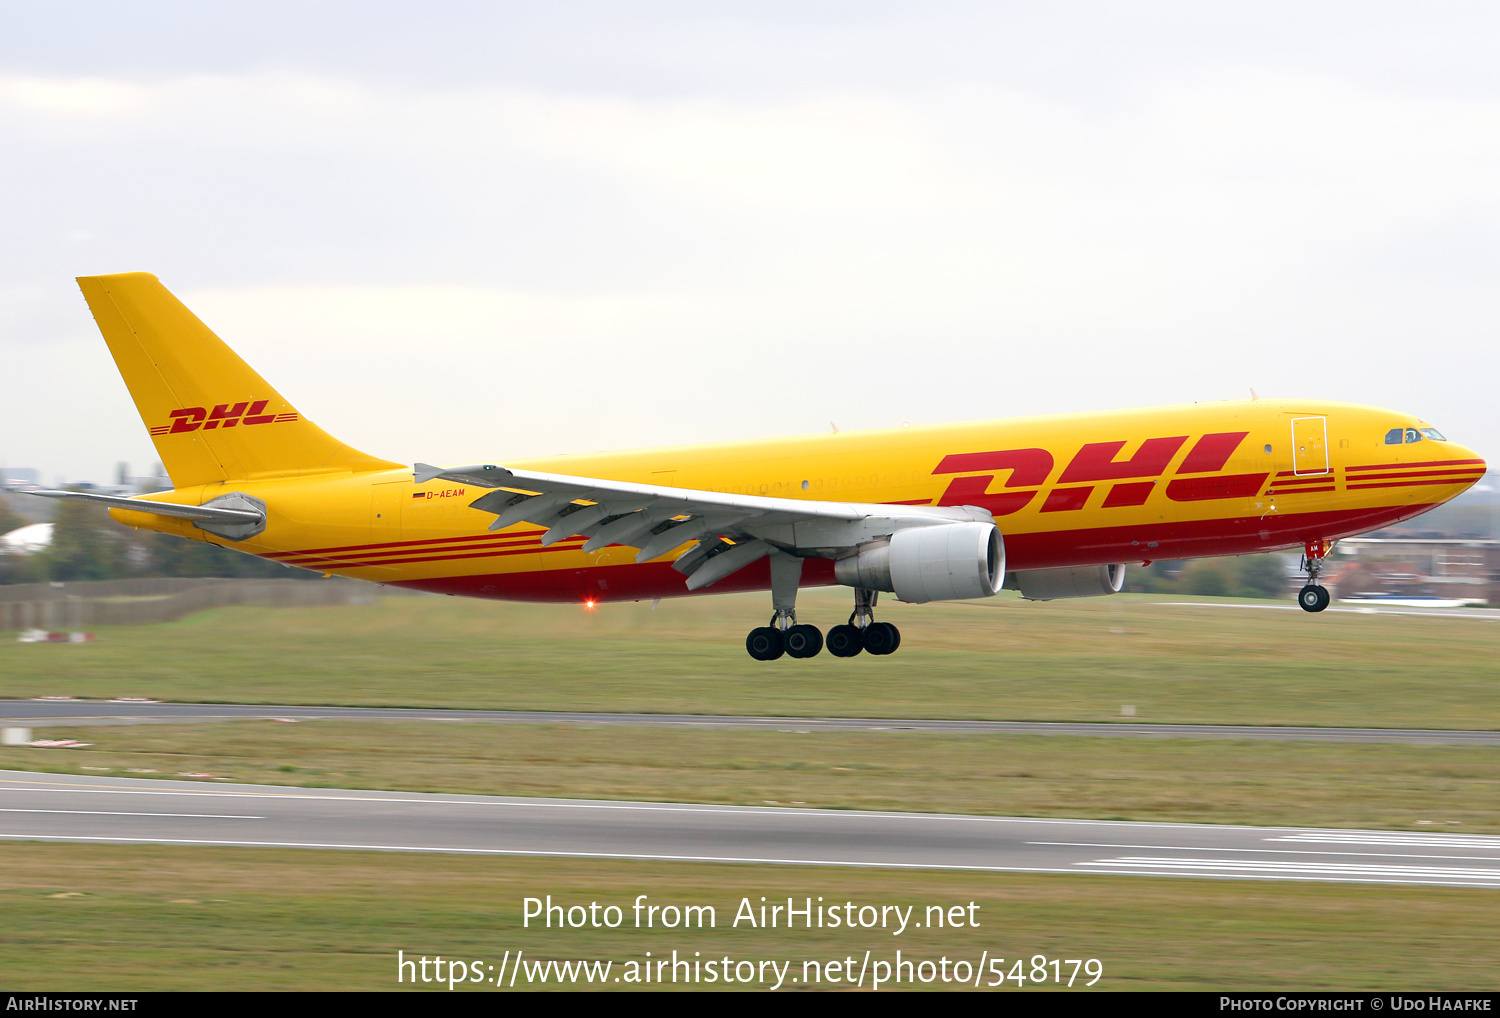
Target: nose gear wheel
column 1314, row 597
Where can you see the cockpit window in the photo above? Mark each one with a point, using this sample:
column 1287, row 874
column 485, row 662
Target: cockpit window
column 1433, row 434
column 1393, row 437
column 1413, row 435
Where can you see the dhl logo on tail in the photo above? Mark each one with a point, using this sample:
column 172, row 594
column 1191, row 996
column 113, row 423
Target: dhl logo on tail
column 225, row 415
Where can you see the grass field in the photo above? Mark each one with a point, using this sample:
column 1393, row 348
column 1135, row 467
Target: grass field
column 156, row 917
column 1001, row 658
column 1378, row 785
column 136, row 917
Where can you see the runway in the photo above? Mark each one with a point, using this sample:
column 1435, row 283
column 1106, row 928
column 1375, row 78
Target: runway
column 37, row 806
column 1349, row 608
column 56, row 713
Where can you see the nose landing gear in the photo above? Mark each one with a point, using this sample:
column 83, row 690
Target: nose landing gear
column 1314, row 597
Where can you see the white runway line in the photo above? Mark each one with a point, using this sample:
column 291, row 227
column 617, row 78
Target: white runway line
column 121, row 813
column 642, row 856
column 1442, row 841
column 1270, row 851
column 1386, row 870
column 1430, row 613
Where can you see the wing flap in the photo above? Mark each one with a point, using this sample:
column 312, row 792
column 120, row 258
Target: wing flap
column 727, row 563
column 656, row 519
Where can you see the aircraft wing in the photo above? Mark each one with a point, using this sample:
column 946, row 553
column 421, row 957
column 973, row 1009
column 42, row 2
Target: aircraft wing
column 732, row 531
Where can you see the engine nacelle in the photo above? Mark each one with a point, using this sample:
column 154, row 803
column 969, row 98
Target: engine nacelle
column 1080, row 581
column 945, row 562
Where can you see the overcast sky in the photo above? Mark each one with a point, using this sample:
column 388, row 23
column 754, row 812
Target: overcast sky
column 477, row 232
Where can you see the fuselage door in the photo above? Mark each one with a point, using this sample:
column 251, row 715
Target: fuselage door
column 385, row 509
column 1309, row 445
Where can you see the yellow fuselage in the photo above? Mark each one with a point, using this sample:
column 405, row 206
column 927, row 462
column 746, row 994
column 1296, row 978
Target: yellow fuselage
column 1090, row 489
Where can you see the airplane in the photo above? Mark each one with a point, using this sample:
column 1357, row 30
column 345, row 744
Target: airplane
column 1056, row 507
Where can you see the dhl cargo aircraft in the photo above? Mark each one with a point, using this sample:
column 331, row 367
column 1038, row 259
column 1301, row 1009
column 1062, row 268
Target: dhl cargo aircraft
column 1054, row 506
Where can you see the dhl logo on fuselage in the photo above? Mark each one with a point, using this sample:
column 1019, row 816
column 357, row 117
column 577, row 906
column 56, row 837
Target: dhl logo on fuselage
column 225, row 415
column 1129, row 482
column 1097, row 461
column 1030, row 468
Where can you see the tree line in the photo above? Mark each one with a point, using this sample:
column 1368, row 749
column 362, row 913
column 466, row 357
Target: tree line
column 87, row 544
column 1240, row 576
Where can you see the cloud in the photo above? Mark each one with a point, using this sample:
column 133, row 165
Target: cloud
column 73, row 98
column 572, row 270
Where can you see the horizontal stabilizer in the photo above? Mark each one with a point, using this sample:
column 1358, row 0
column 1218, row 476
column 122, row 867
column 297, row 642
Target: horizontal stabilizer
column 186, row 512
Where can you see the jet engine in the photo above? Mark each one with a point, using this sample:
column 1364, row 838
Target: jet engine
column 1080, row 581
column 946, row 562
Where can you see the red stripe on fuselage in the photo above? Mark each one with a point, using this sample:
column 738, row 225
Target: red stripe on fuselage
column 457, row 546
column 1407, row 466
column 1471, row 473
column 1408, row 484
column 628, row 582
column 353, row 564
column 1053, row 549
column 406, row 544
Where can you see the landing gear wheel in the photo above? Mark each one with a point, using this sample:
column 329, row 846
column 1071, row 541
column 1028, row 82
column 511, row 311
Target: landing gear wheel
column 844, row 641
column 765, row 643
column 881, row 638
column 1313, row 598
column 803, row 641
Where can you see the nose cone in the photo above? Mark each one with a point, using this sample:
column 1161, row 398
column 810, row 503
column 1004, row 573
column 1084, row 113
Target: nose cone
column 1468, row 462
column 1469, row 458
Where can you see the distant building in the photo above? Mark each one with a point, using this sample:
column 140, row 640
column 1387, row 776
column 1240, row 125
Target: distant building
column 1475, row 513
column 20, row 477
column 1418, row 568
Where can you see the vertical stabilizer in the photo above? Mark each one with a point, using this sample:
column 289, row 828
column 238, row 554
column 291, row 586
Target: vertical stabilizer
column 211, row 416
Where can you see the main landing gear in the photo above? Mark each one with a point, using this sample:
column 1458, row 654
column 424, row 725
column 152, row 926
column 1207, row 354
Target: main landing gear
column 782, row 636
column 862, row 632
column 1314, row 597
column 785, row 635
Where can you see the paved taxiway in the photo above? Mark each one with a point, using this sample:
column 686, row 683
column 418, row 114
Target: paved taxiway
column 53, row 713
column 37, row 806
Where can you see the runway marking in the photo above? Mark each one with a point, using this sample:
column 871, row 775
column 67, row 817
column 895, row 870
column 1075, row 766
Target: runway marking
column 1457, row 873
column 1246, row 874
column 647, row 857
column 117, row 813
column 827, row 814
column 1429, row 614
column 8, row 785
column 1268, row 851
column 1396, row 839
